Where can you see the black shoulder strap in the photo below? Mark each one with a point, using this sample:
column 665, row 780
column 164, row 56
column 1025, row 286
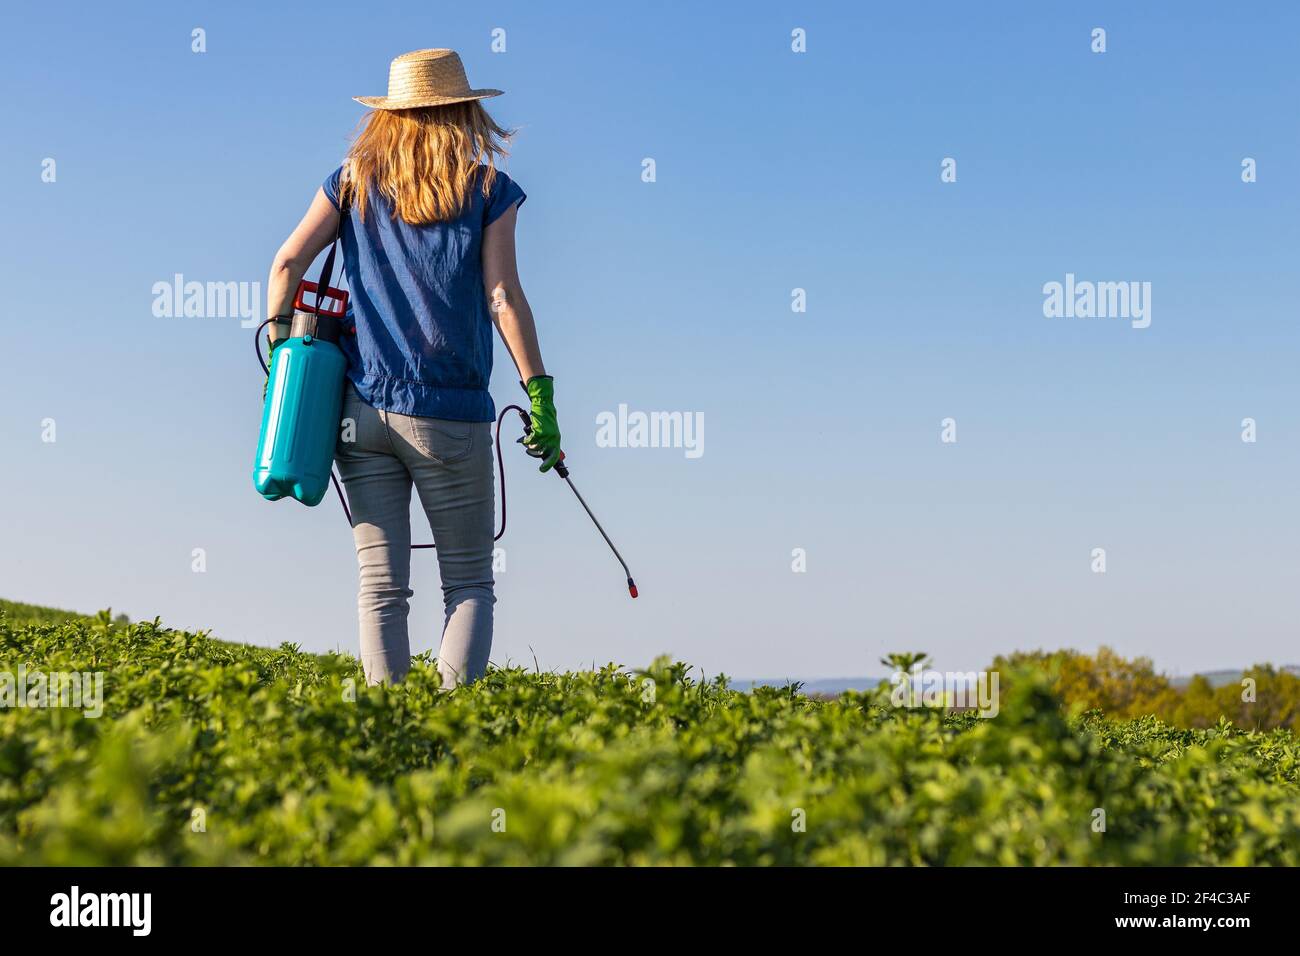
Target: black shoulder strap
column 327, row 270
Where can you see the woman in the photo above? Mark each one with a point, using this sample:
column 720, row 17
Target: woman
column 428, row 241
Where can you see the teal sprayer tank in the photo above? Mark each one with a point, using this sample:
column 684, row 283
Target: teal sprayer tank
column 300, row 418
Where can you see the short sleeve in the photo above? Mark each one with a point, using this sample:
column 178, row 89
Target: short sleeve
column 331, row 186
column 504, row 193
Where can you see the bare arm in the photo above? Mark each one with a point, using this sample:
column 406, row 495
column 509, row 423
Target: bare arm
column 314, row 233
column 510, row 312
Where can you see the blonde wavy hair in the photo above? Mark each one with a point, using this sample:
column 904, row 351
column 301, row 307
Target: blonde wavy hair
column 424, row 160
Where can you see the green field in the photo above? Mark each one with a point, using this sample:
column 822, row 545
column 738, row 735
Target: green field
column 213, row 753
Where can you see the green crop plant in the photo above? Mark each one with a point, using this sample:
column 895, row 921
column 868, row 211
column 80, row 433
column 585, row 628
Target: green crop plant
column 216, row 753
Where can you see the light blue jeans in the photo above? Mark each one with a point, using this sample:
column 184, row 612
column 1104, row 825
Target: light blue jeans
column 450, row 465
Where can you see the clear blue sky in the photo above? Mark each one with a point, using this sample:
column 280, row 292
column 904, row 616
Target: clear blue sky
column 775, row 171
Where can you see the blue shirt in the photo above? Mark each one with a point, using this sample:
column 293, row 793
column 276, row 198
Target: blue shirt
column 423, row 344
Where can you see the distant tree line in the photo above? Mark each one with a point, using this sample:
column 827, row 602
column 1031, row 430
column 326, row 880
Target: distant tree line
column 1264, row 698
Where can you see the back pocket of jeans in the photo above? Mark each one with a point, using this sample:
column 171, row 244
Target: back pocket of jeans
column 441, row 441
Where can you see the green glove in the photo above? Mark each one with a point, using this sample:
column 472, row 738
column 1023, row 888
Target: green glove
column 543, row 438
column 273, row 345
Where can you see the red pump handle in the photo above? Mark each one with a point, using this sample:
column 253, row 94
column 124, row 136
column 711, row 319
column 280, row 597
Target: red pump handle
column 330, row 294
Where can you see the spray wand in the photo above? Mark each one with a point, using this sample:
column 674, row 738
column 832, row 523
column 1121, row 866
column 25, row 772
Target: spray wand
column 562, row 470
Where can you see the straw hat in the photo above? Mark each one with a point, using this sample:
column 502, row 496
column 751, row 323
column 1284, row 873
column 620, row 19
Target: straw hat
column 425, row 78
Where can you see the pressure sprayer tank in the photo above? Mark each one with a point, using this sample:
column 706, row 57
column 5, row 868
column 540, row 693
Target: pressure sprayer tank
column 300, row 418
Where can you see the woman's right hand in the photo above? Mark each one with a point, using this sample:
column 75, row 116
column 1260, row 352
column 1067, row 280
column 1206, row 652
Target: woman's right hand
column 543, row 438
